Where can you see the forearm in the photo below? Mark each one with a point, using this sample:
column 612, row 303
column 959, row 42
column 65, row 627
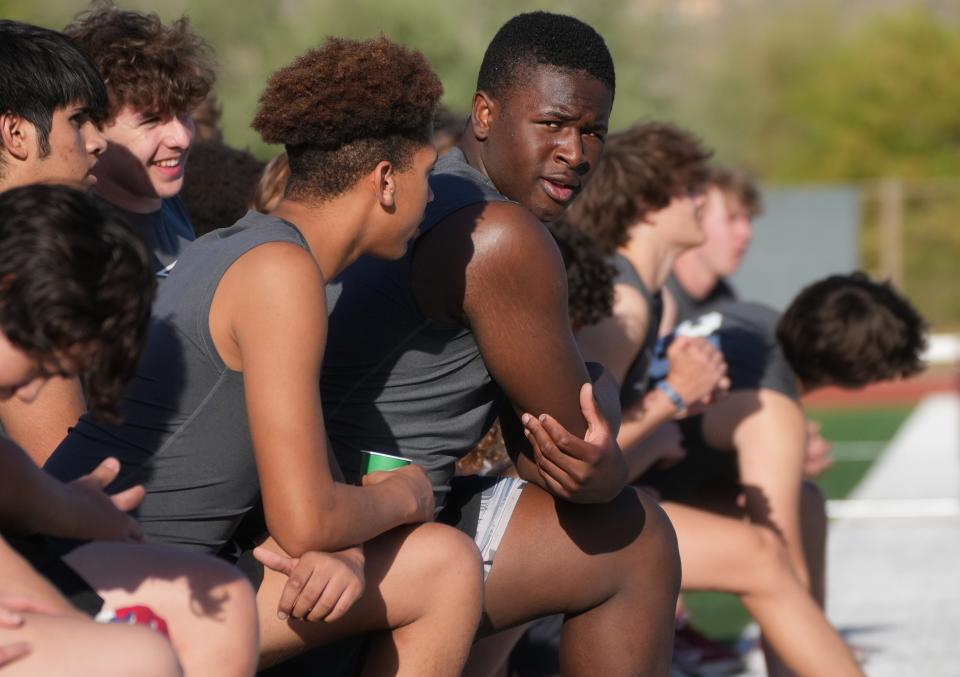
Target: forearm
column 39, row 426
column 642, row 418
column 19, row 579
column 31, row 501
column 349, row 515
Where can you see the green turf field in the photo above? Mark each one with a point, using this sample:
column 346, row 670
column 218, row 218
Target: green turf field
column 858, row 436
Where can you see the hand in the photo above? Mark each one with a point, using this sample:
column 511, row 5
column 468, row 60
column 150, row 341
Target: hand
column 92, row 514
column 817, row 457
column 11, row 618
column 697, row 371
column 321, row 586
column 591, row 470
column 414, row 486
column 12, row 609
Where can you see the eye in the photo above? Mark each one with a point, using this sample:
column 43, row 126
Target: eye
column 79, row 119
column 551, row 124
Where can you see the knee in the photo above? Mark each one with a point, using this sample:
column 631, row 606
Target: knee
column 769, row 561
column 449, row 562
column 653, row 552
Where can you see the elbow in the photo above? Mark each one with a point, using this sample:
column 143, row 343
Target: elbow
column 301, row 534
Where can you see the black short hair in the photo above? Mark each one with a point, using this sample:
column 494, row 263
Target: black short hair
column 849, row 331
column 42, row 71
column 543, row 39
column 590, row 276
column 75, row 282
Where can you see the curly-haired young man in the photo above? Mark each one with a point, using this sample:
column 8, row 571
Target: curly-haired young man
column 155, row 74
column 426, row 352
column 223, row 422
column 75, row 292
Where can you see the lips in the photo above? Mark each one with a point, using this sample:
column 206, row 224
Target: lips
column 560, row 190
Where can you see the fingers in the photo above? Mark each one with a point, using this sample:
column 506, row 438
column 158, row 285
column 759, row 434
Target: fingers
column 273, row 561
column 12, row 652
column 10, row 619
column 129, row 499
column 17, row 605
column 347, row 599
column 106, row 472
column 317, row 596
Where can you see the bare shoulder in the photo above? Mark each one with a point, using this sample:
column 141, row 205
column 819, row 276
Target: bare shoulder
column 488, row 248
column 280, row 271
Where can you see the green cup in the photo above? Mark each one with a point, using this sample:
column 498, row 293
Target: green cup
column 374, row 461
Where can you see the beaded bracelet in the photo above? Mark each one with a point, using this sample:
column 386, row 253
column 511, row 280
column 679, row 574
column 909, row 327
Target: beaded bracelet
column 672, row 394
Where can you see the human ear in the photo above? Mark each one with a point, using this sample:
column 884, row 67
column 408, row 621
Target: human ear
column 16, row 135
column 481, row 115
column 385, row 179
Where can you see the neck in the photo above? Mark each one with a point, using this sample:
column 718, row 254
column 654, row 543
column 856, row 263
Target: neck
column 651, row 258
column 118, row 196
column 332, row 228
column 473, row 152
column 694, row 277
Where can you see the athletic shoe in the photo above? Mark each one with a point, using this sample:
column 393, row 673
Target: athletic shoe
column 697, row 655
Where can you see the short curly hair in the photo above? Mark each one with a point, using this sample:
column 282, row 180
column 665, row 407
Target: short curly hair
column 219, row 185
column 145, row 64
column 543, row 39
column 75, row 288
column 589, row 275
column 641, row 171
column 849, row 331
column 342, row 108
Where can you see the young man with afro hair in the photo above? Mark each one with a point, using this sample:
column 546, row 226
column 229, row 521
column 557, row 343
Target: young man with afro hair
column 426, row 352
column 223, row 424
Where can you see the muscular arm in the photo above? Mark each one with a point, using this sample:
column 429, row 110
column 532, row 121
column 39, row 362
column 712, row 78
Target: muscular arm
column 500, row 273
column 39, row 426
column 269, row 314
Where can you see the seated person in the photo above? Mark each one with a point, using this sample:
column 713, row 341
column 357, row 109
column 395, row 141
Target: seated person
column 223, row 424
column 643, row 205
column 471, row 324
column 75, row 295
column 157, row 74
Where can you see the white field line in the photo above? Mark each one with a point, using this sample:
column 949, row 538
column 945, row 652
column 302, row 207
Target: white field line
column 885, row 508
column 856, row 451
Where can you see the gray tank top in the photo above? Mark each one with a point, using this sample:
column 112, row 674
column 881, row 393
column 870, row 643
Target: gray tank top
column 394, row 380
column 689, row 307
column 636, row 382
column 185, row 434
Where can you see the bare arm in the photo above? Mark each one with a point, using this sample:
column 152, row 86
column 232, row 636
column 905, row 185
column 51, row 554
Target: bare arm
column 34, row 502
column 269, row 314
column 18, row 578
column 39, row 426
column 500, row 273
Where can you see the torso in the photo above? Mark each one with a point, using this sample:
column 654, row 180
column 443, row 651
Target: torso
column 185, row 434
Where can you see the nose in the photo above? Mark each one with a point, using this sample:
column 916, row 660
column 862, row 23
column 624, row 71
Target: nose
column 178, row 132
column 96, row 143
column 570, row 150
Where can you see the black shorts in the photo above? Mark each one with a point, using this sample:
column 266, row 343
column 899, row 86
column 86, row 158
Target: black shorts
column 702, row 471
column 45, row 555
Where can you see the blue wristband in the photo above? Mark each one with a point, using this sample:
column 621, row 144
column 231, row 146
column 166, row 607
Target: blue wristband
column 674, row 396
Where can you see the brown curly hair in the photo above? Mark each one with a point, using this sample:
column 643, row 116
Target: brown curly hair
column 75, row 288
column 145, row 64
column 342, row 108
column 641, row 170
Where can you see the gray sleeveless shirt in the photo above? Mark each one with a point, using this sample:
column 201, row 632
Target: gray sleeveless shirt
column 185, row 434
column 636, row 382
column 394, row 380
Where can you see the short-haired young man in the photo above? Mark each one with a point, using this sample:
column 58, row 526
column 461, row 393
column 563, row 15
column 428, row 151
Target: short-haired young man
column 424, row 353
column 699, row 277
column 156, row 74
